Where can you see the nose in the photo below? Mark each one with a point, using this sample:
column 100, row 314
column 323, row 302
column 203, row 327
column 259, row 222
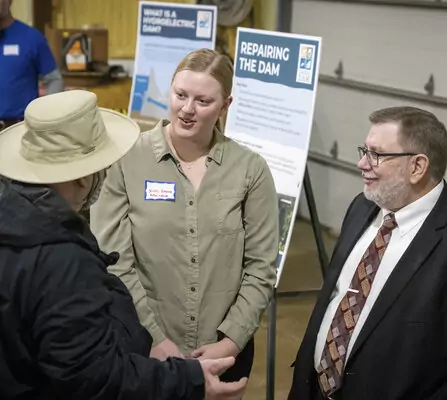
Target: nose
column 363, row 163
column 188, row 107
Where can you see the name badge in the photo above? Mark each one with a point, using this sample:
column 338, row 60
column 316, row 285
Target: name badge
column 11, row 50
column 164, row 191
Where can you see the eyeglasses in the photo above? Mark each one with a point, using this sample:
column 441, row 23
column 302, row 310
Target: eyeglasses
column 373, row 156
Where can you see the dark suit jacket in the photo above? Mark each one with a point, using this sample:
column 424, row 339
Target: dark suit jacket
column 401, row 351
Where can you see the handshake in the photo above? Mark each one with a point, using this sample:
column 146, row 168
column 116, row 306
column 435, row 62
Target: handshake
column 214, row 359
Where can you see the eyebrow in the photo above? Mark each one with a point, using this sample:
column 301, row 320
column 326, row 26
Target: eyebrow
column 374, row 148
column 200, row 96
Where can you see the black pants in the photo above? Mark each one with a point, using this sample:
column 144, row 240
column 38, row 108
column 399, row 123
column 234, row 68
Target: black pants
column 242, row 366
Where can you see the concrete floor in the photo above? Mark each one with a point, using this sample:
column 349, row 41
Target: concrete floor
column 301, row 274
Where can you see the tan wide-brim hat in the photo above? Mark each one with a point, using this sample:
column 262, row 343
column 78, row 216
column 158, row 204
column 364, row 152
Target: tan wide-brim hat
column 65, row 136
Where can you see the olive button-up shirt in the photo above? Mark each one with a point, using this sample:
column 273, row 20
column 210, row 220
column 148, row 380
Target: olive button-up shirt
column 200, row 262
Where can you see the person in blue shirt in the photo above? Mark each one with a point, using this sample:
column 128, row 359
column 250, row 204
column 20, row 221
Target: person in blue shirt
column 25, row 57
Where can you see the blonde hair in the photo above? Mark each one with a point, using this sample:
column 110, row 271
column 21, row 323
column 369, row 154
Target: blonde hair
column 218, row 65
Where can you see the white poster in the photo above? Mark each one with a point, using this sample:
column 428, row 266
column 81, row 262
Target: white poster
column 274, row 90
column 166, row 33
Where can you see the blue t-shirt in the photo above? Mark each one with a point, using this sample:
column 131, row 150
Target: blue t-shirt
column 24, row 56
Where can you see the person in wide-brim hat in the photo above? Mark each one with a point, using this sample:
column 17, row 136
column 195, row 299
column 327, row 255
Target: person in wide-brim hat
column 69, row 329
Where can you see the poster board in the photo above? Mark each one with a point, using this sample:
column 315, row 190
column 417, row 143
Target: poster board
column 166, row 33
column 274, row 90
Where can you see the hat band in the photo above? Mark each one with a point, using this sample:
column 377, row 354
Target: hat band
column 65, row 143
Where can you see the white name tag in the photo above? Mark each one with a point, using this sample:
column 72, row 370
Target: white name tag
column 11, row 50
column 159, row 191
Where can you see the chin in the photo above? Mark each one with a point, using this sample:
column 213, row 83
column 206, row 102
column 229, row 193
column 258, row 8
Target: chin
column 383, row 200
column 180, row 131
column 375, row 198
column 368, row 193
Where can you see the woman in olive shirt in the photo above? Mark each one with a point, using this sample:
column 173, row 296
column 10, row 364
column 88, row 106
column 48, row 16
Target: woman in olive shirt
column 194, row 216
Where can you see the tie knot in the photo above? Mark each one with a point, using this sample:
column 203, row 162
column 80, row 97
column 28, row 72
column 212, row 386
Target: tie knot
column 389, row 221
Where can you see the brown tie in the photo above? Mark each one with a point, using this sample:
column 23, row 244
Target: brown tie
column 330, row 370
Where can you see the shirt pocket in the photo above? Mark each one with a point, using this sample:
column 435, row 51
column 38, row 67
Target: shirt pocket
column 229, row 212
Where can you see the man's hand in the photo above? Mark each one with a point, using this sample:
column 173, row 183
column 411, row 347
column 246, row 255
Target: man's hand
column 165, row 349
column 214, row 388
column 224, row 348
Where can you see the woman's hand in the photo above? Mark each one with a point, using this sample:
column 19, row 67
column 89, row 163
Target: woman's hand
column 165, row 349
column 224, row 348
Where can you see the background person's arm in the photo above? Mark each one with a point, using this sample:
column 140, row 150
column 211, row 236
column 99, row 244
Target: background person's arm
column 46, row 66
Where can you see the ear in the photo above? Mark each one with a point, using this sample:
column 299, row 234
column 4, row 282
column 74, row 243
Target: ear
column 227, row 103
column 419, row 168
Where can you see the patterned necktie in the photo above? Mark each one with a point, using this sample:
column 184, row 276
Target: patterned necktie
column 330, row 370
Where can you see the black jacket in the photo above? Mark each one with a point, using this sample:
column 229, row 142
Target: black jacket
column 68, row 329
column 401, row 350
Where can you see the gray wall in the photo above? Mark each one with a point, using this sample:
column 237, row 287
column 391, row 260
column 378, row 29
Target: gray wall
column 396, row 47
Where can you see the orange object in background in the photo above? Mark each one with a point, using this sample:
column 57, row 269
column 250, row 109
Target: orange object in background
column 76, row 53
column 76, row 60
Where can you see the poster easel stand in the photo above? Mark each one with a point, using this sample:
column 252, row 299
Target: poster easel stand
column 323, row 258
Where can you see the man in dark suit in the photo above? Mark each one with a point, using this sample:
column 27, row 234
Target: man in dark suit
column 379, row 327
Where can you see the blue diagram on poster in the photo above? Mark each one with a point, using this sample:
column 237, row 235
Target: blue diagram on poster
column 166, row 33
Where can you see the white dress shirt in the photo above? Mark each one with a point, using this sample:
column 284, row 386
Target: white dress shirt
column 409, row 220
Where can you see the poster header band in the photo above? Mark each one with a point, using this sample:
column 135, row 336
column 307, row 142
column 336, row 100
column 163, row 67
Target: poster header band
column 276, row 59
column 176, row 22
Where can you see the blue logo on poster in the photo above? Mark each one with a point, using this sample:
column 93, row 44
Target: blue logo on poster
column 205, row 22
column 204, row 27
column 306, row 64
column 306, row 57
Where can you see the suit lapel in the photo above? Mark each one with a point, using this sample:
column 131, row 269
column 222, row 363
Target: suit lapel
column 412, row 260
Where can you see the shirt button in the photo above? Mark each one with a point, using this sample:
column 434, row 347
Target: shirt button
column 209, row 159
column 193, row 260
column 191, row 230
column 193, row 289
column 191, row 203
column 193, row 318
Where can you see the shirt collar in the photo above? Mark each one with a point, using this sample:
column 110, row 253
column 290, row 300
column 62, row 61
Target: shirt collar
column 161, row 147
column 412, row 214
column 217, row 149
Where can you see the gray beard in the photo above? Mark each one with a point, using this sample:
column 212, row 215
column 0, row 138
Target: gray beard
column 389, row 195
